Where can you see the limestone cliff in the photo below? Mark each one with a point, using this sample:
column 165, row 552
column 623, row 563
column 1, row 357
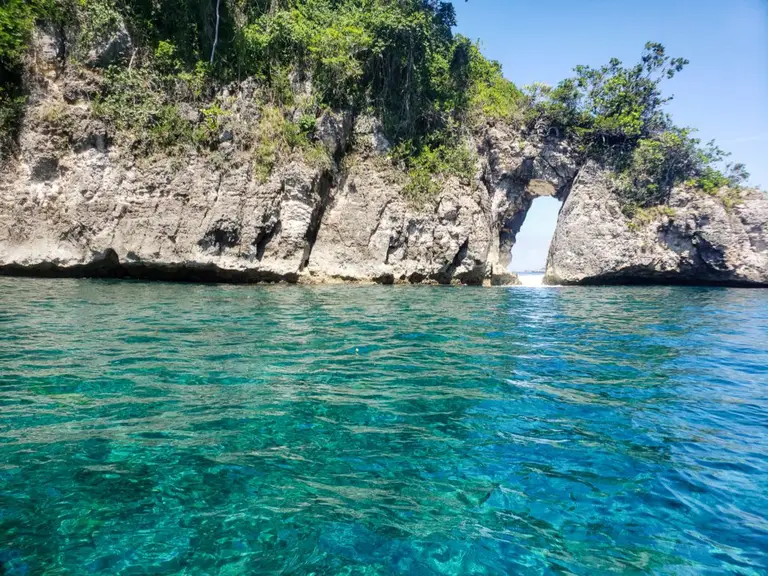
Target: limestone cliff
column 74, row 202
column 695, row 239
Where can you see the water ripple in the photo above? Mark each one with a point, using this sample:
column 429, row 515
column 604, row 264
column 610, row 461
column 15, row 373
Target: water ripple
column 166, row 429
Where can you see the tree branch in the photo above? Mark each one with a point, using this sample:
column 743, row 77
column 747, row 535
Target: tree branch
column 216, row 33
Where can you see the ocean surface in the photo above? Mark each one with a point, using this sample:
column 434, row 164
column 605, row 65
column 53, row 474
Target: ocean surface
column 152, row 428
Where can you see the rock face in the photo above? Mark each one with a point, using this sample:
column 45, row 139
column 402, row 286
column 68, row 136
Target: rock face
column 82, row 205
column 78, row 202
column 699, row 239
column 114, row 47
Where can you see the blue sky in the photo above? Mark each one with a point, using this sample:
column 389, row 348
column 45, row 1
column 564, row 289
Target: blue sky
column 723, row 92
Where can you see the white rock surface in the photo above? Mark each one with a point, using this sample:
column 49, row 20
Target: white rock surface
column 697, row 240
column 80, row 205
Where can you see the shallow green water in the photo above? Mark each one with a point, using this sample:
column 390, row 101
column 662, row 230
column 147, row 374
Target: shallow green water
column 177, row 429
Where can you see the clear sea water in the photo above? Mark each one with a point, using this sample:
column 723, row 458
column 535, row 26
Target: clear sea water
column 180, row 429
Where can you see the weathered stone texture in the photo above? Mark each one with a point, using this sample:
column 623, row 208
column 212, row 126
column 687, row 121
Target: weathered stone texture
column 696, row 240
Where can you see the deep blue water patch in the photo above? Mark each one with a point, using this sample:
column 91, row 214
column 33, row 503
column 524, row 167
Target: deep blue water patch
column 178, row 429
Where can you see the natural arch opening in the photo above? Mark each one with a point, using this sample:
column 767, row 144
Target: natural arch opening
column 529, row 253
column 542, row 181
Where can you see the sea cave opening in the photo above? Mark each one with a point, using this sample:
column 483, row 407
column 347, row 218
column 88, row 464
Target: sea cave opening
column 529, row 253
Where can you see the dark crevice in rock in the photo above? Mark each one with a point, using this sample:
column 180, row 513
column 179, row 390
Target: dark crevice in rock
column 713, row 256
column 264, row 237
column 563, row 193
column 416, row 278
column 460, row 255
column 324, row 185
column 486, row 178
column 223, row 234
column 446, row 275
column 390, row 250
column 45, row 168
column 378, row 219
column 527, row 170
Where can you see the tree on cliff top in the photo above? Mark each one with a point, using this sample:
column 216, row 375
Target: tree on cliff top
column 614, row 105
column 616, row 115
column 397, row 59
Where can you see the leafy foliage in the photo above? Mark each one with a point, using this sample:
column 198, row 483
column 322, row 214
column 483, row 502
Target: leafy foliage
column 135, row 105
column 614, row 105
column 659, row 163
column 17, row 17
column 11, row 109
column 427, row 166
column 616, row 115
column 397, row 59
column 393, row 56
column 710, row 180
column 16, row 20
column 488, row 93
column 277, row 138
column 96, row 20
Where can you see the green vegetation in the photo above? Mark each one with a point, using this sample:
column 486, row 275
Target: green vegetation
column 396, row 59
column 17, row 17
column 16, row 20
column 276, row 138
column 430, row 164
column 95, row 21
column 144, row 115
column 640, row 217
column 615, row 115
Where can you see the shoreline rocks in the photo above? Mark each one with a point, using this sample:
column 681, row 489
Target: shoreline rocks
column 77, row 202
column 697, row 239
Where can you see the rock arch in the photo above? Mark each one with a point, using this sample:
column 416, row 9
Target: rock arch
column 516, row 172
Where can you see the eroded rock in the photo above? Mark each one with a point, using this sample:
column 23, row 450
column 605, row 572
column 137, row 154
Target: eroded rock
column 75, row 202
column 698, row 239
column 117, row 46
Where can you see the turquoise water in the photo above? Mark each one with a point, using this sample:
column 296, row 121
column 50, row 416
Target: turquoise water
column 179, row 429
